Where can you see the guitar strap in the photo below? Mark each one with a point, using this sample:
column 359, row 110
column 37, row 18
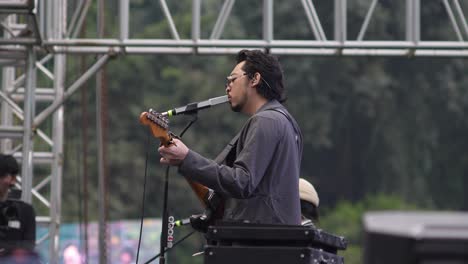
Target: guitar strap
column 290, row 121
column 223, row 156
column 214, row 201
column 225, row 153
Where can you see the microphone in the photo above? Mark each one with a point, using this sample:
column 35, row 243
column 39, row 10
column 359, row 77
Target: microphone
column 194, row 107
column 182, row 222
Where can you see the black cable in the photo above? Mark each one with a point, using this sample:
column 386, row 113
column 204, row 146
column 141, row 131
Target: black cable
column 143, row 203
column 80, row 199
column 194, row 119
column 163, row 242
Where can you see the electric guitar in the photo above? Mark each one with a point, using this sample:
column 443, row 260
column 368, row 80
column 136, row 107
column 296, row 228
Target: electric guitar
column 213, row 203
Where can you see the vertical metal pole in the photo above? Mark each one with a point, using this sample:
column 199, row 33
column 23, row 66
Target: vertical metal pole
column 268, row 20
column 29, row 109
column 8, row 74
column 409, row 20
column 417, row 20
column 101, row 170
column 8, row 78
column 100, row 146
column 340, row 21
column 49, row 23
column 42, row 17
column 58, row 32
column 124, row 13
column 84, row 127
column 196, row 22
column 413, row 21
column 57, row 163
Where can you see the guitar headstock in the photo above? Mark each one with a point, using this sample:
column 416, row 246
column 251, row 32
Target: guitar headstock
column 158, row 124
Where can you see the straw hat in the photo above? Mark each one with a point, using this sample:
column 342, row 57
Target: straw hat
column 307, row 192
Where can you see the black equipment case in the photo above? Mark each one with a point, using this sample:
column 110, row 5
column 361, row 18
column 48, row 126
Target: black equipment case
column 276, row 244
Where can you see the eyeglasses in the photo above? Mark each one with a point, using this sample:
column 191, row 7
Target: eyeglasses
column 231, row 79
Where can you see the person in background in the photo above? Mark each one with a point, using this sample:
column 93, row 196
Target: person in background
column 72, row 255
column 309, row 203
column 126, row 256
column 17, row 218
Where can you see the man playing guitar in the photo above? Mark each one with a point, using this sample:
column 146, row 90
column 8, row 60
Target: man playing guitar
column 257, row 173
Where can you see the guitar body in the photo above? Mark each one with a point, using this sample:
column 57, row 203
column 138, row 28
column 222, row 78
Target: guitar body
column 212, row 202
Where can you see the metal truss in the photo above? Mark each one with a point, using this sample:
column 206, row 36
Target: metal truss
column 319, row 44
column 20, row 127
column 39, row 35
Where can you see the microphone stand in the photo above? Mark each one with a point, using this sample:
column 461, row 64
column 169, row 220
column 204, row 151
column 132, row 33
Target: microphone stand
column 165, row 221
column 167, row 249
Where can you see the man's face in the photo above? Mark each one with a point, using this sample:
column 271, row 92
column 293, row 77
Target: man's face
column 237, row 88
column 5, row 183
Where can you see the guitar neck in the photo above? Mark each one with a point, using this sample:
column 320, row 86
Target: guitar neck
column 159, row 126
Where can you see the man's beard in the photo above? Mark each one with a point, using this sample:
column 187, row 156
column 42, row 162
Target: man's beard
column 236, row 108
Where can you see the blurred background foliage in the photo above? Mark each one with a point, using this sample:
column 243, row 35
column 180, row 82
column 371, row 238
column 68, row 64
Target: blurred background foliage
column 379, row 133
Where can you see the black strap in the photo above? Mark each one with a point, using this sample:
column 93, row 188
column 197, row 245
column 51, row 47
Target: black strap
column 222, row 156
column 290, row 121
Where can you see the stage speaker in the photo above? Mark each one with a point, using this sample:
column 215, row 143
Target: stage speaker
column 274, row 255
column 233, row 243
column 415, row 237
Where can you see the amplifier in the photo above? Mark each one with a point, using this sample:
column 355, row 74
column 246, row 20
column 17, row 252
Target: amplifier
column 276, row 255
column 247, row 234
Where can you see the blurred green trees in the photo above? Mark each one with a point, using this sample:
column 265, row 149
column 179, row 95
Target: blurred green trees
column 395, row 128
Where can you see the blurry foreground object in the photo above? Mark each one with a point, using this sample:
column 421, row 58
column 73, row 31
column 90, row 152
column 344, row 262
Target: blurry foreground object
column 416, row 237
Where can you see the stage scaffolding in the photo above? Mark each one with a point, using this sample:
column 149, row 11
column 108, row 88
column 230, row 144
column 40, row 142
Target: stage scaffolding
column 40, row 35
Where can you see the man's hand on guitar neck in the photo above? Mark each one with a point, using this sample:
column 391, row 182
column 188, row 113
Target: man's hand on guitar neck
column 173, row 154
